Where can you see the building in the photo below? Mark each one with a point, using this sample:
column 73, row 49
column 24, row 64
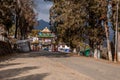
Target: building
column 46, row 39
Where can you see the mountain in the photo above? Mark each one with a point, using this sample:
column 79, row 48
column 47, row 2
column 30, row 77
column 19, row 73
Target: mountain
column 42, row 24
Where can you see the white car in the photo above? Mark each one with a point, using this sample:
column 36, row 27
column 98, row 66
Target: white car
column 64, row 48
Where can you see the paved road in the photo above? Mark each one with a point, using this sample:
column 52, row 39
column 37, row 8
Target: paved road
column 56, row 66
column 98, row 70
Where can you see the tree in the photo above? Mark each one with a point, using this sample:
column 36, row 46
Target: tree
column 11, row 12
column 74, row 21
column 67, row 21
column 6, row 16
column 25, row 17
column 115, row 19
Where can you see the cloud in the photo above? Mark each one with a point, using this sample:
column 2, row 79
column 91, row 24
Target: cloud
column 42, row 8
column 43, row 16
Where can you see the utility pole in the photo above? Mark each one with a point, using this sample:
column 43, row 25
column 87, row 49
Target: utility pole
column 116, row 34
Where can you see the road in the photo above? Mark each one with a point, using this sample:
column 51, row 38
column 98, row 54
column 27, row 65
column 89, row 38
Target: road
column 44, row 65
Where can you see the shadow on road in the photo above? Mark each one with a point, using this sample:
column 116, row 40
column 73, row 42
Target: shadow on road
column 7, row 73
column 32, row 77
column 45, row 54
column 34, row 55
column 10, row 64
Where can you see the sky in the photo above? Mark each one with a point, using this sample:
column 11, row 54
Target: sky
column 42, row 9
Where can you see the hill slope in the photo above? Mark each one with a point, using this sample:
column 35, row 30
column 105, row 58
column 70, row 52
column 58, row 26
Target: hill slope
column 42, row 24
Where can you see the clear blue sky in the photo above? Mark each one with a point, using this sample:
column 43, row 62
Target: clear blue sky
column 42, row 8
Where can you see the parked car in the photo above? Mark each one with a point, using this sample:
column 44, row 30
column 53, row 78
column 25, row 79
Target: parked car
column 64, row 48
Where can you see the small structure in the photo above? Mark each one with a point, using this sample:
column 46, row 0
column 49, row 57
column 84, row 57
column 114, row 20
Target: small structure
column 35, row 44
column 23, row 45
column 47, row 39
column 3, row 33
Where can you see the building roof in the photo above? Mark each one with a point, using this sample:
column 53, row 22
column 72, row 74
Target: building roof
column 46, row 30
column 44, row 35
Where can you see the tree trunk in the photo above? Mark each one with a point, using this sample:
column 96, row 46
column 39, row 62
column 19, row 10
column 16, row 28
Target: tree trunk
column 17, row 18
column 16, row 27
column 118, row 56
column 108, row 42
